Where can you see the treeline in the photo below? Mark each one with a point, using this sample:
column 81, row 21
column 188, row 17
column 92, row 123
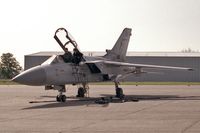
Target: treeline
column 9, row 66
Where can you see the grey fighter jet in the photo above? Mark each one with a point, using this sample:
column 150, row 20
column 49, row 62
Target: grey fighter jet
column 77, row 69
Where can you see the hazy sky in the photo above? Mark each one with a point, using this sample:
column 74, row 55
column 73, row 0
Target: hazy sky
column 28, row 26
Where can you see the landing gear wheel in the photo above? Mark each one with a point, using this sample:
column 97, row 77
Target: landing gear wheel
column 81, row 92
column 119, row 93
column 58, row 98
column 61, row 98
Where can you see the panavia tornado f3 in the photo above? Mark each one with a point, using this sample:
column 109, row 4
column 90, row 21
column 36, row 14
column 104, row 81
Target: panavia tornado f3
column 74, row 68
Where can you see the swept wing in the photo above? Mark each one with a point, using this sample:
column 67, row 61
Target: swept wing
column 115, row 63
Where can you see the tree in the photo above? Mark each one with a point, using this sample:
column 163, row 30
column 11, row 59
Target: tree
column 0, row 71
column 9, row 66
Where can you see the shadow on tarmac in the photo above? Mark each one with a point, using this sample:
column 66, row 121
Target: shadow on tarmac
column 71, row 101
column 97, row 101
column 157, row 97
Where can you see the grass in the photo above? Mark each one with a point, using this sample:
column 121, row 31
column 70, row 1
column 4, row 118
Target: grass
column 9, row 82
column 149, row 83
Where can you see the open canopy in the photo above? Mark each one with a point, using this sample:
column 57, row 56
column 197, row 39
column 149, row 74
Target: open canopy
column 69, row 40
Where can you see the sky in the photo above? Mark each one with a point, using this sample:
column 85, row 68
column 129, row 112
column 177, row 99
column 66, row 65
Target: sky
column 28, row 26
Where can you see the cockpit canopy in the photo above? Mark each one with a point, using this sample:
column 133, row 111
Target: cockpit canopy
column 64, row 39
column 68, row 57
column 53, row 60
column 76, row 58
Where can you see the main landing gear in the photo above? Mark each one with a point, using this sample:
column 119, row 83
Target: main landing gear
column 83, row 91
column 119, row 91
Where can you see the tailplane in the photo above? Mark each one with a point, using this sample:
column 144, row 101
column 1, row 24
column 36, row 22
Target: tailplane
column 118, row 52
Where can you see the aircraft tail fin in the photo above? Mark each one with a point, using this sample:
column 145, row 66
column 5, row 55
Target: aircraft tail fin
column 118, row 52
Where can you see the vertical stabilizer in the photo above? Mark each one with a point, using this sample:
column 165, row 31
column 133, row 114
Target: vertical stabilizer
column 118, row 52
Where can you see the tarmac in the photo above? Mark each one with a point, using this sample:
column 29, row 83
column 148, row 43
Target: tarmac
column 146, row 109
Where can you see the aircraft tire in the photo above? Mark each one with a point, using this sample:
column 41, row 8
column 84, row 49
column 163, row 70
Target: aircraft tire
column 58, row 98
column 81, row 92
column 61, row 98
column 119, row 92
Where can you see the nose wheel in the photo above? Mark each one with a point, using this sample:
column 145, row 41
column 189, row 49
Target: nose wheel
column 61, row 98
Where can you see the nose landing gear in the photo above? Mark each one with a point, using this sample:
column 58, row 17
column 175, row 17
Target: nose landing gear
column 61, row 97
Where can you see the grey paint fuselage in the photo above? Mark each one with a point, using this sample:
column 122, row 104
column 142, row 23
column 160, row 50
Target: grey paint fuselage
column 60, row 73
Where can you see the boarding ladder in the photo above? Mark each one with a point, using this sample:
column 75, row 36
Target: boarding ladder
column 80, row 78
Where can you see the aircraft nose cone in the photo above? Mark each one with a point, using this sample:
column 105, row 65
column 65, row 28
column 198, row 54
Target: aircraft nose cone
column 33, row 76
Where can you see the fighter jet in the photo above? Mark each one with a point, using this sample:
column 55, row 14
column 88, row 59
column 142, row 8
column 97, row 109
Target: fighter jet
column 76, row 69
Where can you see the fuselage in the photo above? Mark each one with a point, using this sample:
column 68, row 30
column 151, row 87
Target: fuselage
column 55, row 71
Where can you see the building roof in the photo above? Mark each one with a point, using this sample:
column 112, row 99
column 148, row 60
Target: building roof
column 131, row 53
